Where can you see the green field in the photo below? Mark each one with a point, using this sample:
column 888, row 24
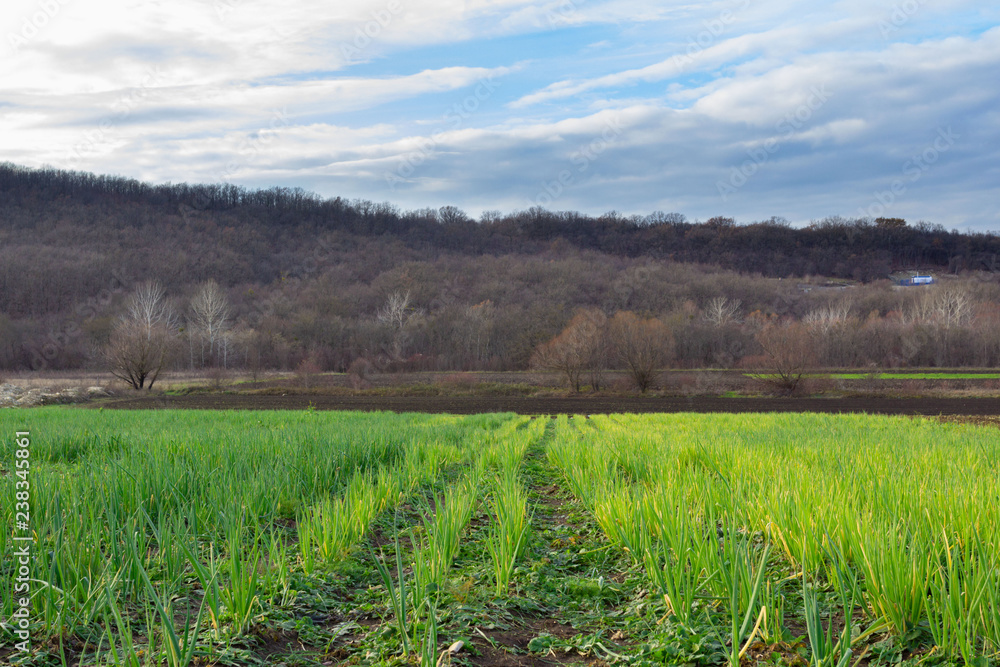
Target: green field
column 917, row 376
column 896, row 376
column 317, row 538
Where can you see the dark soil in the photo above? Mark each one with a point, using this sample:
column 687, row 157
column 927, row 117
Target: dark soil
column 517, row 639
column 981, row 420
column 572, row 405
column 558, row 534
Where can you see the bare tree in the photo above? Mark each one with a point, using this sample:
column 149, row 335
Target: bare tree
column 598, row 347
column 953, row 306
column 476, row 330
column 721, row 311
column 578, row 347
column 789, row 352
column 642, row 345
column 949, row 306
column 148, row 307
column 987, row 340
column 451, row 215
column 946, row 311
column 826, row 319
column 395, row 315
column 139, row 343
column 210, row 322
column 136, row 353
column 555, row 355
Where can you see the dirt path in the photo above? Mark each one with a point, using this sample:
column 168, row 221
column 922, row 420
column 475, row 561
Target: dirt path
column 575, row 585
column 572, row 405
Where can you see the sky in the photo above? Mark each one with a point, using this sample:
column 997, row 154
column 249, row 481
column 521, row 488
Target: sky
column 741, row 108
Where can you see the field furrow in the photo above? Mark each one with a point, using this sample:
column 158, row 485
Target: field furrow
column 307, row 538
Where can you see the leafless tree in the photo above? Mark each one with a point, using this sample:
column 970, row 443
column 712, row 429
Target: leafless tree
column 490, row 217
column 477, row 328
column 140, row 341
column 826, row 319
column 945, row 312
column 555, row 355
column 953, row 306
column 947, row 306
column 595, row 323
column 148, row 307
column 244, row 343
column 395, row 315
column 210, row 322
column 789, row 353
column 394, row 312
column 136, row 354
column 722, row 311
column 987, row 327
column 308, row 371
column 359, row 372
column 578, row 347
column 451, row 215
column 642, row 345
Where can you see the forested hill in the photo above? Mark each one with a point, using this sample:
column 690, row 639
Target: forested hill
column 257, row 225
column 310, row 276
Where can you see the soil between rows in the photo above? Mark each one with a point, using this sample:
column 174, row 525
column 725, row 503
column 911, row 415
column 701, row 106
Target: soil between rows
column 556, row 536
column 568, row 405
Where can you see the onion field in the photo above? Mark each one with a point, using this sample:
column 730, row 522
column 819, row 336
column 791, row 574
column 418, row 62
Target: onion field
column 322, row 538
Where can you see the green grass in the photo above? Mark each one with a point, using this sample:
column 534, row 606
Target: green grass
column 308, row 538
column 894, row 376
column 891, row 497
column 118, row 498
column 918, row 376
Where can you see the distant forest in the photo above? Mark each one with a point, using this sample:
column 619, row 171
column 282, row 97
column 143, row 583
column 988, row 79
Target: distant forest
column 303, row 279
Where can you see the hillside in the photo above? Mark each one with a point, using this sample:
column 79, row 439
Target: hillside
column 306, row 277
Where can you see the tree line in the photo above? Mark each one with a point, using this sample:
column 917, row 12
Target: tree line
column 328, row 282
column 956, row 324
column 859, row 248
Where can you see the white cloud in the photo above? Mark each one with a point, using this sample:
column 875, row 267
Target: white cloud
column 646, row 104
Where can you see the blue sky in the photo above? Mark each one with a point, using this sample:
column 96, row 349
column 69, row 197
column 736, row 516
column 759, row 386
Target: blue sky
column 743, row 108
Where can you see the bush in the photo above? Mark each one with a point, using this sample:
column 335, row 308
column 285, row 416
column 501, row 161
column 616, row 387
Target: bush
column 464, row 380
column 218, row 377
column 307, row 371
column 359, row 372
column 789, row 353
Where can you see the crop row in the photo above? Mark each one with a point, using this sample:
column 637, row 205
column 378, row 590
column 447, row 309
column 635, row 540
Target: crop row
column 156, row 533
column 729, row 513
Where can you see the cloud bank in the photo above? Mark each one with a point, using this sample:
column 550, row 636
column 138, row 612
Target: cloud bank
column 735, row 108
